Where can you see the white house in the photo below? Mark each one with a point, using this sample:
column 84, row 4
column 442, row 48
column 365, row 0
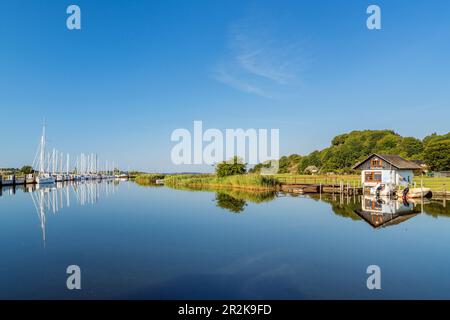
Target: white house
column 387, row 171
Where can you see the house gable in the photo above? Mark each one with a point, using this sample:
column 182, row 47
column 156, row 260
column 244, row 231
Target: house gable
column 386, row 162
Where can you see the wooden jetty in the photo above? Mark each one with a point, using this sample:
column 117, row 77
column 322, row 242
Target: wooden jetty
column 13, row 180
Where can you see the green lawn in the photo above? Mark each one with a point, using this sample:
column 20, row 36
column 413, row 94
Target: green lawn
column 437, row 184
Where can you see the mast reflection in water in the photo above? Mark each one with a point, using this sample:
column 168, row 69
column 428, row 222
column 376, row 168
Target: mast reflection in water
column 52, row 198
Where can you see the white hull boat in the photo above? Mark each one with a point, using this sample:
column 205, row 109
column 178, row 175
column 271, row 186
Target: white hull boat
column 29, row 179
column 45, row 180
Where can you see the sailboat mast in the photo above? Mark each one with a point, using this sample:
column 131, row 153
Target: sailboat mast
column 67, row 165
column 42, row 152
column 61, row 164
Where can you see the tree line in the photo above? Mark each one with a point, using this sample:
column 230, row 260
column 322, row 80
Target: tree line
column 349, row 148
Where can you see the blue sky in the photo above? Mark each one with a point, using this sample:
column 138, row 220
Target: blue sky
column 140, row 69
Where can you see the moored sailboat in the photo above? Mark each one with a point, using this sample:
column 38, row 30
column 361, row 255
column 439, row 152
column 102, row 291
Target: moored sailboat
column 43, row 177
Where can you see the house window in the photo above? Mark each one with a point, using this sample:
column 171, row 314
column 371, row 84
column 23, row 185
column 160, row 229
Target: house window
column 376, row 163
column 377, row 176
column 373, row 176
column 372, row 205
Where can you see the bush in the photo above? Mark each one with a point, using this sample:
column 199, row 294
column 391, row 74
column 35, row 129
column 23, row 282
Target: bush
column 231, row 168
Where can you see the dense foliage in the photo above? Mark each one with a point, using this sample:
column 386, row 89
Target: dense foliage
column 231, row 168
column 437, row 152
column 27, row 169
column 349, row 148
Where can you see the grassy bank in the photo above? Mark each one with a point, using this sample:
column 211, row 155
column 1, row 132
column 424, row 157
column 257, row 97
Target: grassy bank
column 437, row 184
column 247, row 181
column 258, row 182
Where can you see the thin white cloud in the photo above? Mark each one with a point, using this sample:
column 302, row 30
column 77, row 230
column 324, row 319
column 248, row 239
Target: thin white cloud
column 261, row 59
column 222, row 75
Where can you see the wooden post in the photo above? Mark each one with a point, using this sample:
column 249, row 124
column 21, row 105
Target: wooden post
column 320, row 190
column 445, row 195
column 421, row 193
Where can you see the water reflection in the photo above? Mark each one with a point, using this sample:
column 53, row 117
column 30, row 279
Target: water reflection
column 50, row 199
column 236, row 200
column 230, row 203
column 384, row 212
column 378, row 212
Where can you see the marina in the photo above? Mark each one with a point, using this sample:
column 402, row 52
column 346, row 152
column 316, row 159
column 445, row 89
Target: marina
column 50, row 168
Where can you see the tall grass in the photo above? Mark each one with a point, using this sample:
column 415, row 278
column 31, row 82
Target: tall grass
column 247, row 181
column 148, row 179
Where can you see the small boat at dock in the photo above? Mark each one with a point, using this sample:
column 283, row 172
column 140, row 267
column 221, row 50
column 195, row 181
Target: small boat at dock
column 45, row 179
column 418, row 193
column 30, row 179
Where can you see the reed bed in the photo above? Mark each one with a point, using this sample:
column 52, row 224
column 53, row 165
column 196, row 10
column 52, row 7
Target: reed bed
column 247, row 181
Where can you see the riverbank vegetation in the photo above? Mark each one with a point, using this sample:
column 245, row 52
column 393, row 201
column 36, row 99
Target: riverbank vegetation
column 148, row 178
column 349, row 148
column 16, row 171
column 258, row 182
column 246, row 181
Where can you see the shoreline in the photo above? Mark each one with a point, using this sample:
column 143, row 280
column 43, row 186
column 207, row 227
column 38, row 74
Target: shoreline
column 295, row 184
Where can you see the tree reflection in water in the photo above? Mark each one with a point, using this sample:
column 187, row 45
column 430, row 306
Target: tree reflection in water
column 236, row 200
column 230, row 203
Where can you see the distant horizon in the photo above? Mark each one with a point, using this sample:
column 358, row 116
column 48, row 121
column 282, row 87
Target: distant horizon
column 202, row 167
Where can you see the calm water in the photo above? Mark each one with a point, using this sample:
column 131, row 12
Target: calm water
column 137, row 242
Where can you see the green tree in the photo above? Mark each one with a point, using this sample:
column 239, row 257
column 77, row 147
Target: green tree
column 437, row 155
column 27, row 169
column 411, row 147
column 347, row 149
column 230, row 168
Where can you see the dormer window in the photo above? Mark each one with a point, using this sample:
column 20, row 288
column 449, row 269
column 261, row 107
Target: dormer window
column 376, row 163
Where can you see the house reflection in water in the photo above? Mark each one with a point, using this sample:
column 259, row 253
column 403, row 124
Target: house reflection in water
column 384, row 212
